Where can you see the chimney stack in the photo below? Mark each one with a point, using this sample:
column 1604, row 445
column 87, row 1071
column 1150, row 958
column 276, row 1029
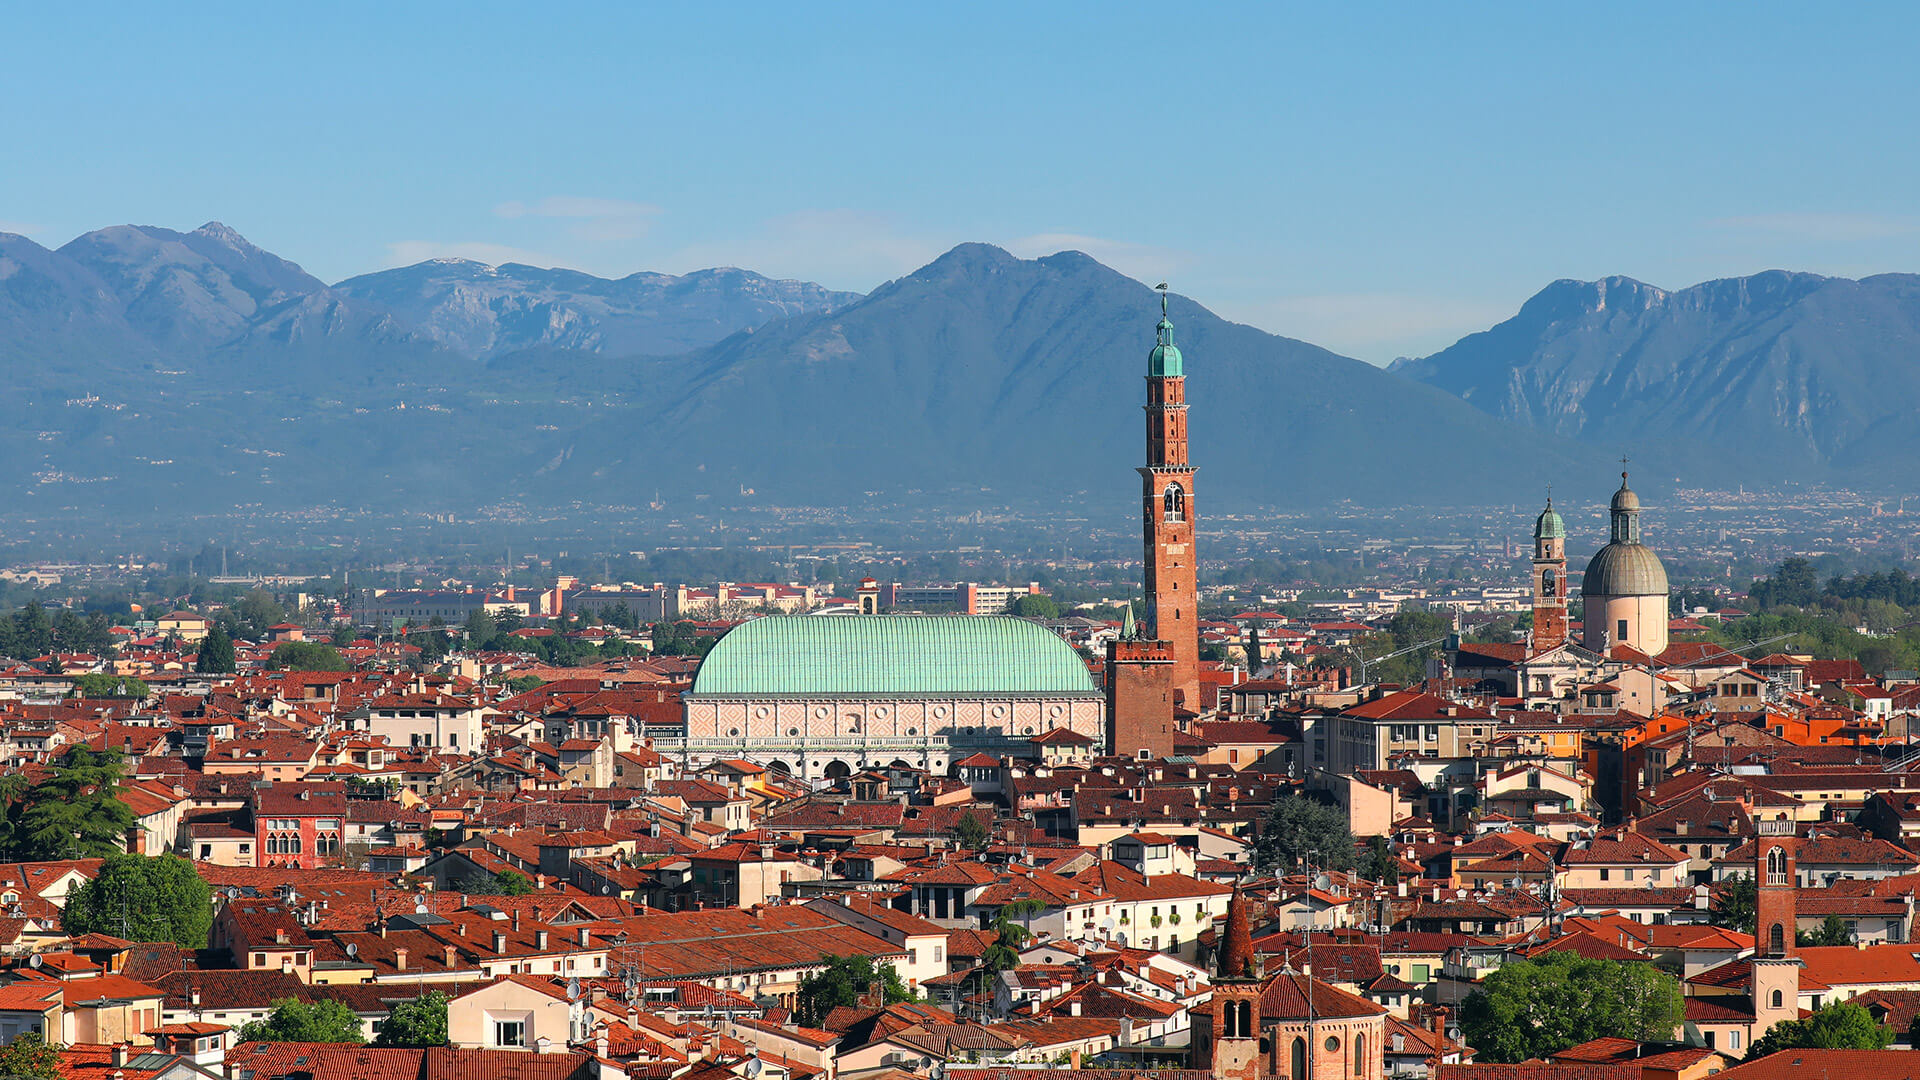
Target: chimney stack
column 400, row 959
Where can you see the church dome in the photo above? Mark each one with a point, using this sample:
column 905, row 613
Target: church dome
column 1625, row 499
column 1548, row 525
column 1622, row 569
column 1165, row 357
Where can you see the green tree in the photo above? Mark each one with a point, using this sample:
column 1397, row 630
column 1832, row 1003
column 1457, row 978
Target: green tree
column 216, row 653
column 1736, row 904
column 1842, row 1026
column 1299, row 829
column 523, row 683
column 306, row 656
column 840, row 983
column 1533, row 1008
column 1034, row 606
column 99, row 684
column 421, row 1022
column 143, row 898
column 971, row 834
column 293, row 1020
column 1378, row 862
column 1833, row 931
column 76, row 812
column 30, row 1055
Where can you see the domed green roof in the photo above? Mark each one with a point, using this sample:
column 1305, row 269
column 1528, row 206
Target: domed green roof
column 1165, row 357
column 1548, row 525
column 891, row 655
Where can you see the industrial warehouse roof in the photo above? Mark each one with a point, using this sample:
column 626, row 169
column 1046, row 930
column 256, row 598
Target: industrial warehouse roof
column 898, row 655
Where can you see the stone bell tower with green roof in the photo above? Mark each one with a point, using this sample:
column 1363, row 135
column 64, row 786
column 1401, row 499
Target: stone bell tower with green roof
column 1549, row 579
column 1167, row 514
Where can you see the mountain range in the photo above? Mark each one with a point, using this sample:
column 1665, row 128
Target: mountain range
column 1777, row 376
column 157, row 370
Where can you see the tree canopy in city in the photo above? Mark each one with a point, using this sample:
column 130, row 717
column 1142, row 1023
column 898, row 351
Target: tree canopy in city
column 1299, row 830
column 420, row 1022
column 293, row 1020
column 306, row 656
column 1841, row 1026
column 1533, row 1008
column 840, row 983
column 75, row 813
column 143, row 898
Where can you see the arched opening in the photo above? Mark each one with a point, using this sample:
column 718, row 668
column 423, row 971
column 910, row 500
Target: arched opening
column 1777, row 1000
column 1173, row 503
column 1245, row 1013
column 1776, row 867
column 1298, row 1071
column 776, row 765
column 1776, row 941
column 1359, row 1055
column 837, row 769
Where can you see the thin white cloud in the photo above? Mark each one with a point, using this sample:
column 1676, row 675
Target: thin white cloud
column 1145, row 262
column 844, row 249
column 592, row 218
column 1823, row 226
column 1375, row 327
column 408, row 252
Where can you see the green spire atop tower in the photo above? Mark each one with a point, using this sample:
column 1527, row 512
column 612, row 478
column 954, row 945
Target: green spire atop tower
column 1164, row 360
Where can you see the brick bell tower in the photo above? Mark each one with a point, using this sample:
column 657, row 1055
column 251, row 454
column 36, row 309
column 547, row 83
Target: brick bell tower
column 1549, row 579
column 1776, row 958
column 1167, row 509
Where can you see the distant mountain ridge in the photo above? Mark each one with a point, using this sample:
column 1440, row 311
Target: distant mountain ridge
column 1774, row 376
column 484, row 311
column 161, row 372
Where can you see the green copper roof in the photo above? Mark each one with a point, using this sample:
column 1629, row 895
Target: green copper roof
column 1549, row 524
column 1165, row 357
column 902, row 655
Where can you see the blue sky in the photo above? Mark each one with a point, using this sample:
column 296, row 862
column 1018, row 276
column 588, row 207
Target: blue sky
column 1376, row 179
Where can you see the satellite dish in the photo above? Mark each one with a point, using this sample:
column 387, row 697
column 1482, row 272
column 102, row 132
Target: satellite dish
column 1322, row 882
column 754, row 1067
column 353, row 950
column 34, row 961
column 573, row 989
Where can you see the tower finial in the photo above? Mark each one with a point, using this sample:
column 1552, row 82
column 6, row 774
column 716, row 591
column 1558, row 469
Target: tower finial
column 1162, row 289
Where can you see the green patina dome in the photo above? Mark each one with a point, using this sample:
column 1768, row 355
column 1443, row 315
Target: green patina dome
column 1548, row 525
column 1165, row 357
column 891, row 655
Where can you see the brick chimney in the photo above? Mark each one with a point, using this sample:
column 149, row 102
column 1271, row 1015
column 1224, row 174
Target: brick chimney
column 400, row 959
column 499, row 941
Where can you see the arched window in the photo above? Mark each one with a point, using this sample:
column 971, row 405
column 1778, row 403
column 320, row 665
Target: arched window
column 1360, row 1055
column 1173, row 503
column 1245, row 1011
column 1776, row 941
column 1549, row 582
column 1776, row 999
column 1776, row 867
column 1299, row 1063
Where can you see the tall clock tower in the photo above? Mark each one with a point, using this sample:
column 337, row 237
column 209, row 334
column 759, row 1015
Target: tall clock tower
column 1167, row 512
